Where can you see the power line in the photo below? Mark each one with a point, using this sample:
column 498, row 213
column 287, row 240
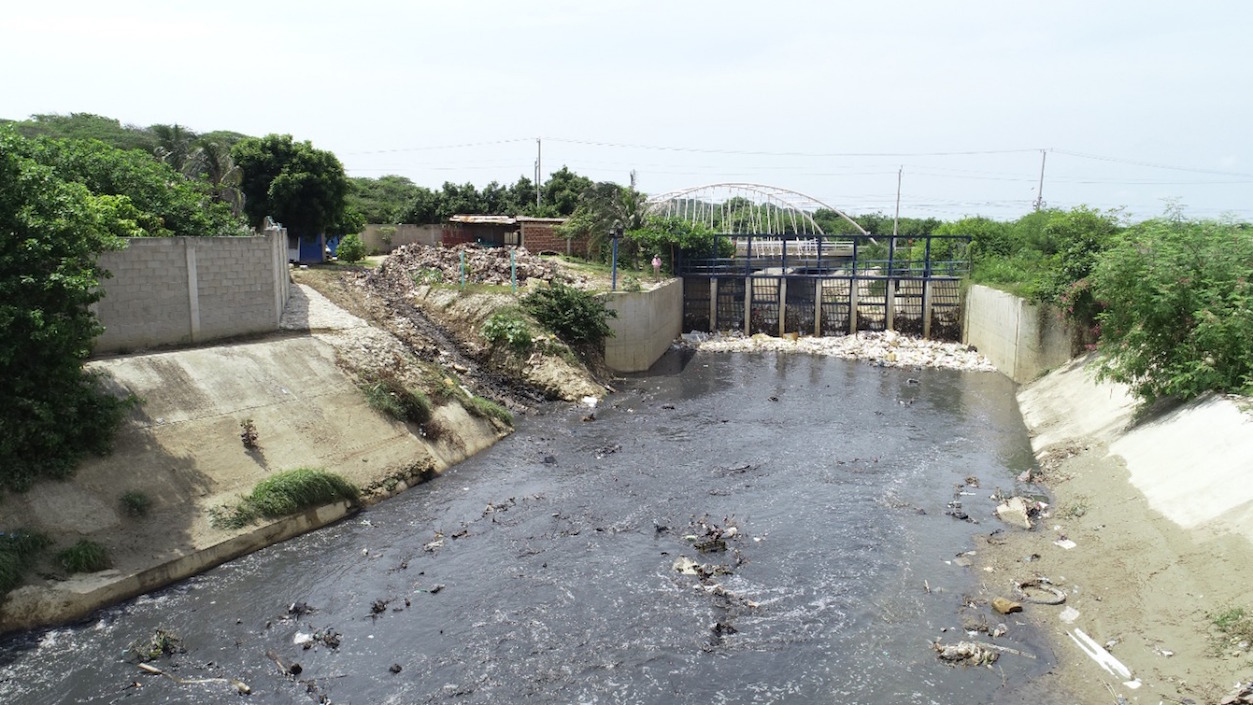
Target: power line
column 697, row 150
column 1151, row 165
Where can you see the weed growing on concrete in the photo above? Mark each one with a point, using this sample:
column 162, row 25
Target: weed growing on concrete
column 18, row 550
column 1074, row 509
column 135, row 504
column 488, row 409
column 236, row 517
column 85, row 557
column 389, row 395
column 294, row 490
column 1235, row 629
column 282, row 494
column 248, row 434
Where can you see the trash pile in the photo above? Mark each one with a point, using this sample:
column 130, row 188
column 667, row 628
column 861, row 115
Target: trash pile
column 426, row 264
column 966, row 653
column 885, row 349
column 1242, row 694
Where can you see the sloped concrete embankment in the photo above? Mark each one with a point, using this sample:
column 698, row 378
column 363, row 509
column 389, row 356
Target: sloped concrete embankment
column 182, row 448
column 1191, row 463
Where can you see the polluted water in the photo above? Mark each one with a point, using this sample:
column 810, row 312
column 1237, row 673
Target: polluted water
column 729, row 528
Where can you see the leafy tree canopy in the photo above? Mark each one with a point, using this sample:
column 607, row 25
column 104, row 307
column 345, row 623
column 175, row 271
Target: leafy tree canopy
column 301, row 187
column 165, row 202
column 51, row 231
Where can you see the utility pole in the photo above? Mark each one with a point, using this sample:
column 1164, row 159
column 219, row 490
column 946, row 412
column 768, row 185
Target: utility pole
column 539, row 168
column 1039, row 194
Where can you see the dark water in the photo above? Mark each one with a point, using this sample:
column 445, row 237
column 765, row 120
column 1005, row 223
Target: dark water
column 557, row 576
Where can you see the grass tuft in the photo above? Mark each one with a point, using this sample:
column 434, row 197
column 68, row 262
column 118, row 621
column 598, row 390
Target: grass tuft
column 283, row 494
column 390, row 396
column 488, row 409
column 18, row 550
column 294, row 490
column 1234, row 626
column 85, row 557
column 135, row 504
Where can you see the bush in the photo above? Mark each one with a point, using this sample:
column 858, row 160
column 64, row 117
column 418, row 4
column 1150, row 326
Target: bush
column 507, row 328
column 488, row 409
column 389, row 395
column 51, row 409
column 84, row 557
column 135, row 504
column 351, row 249
column 18, row 550
column 1178, row 312
column 574, row 315
column 294, row 490
column 283, row 494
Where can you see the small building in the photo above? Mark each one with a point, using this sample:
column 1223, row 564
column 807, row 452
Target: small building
column 486, row 230
column 537, row 235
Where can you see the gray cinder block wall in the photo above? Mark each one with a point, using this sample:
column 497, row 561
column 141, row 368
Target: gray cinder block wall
column 190, row 290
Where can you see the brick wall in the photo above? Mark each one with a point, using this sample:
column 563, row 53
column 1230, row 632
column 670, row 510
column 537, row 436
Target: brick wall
column 188, row 290
column 541, row 236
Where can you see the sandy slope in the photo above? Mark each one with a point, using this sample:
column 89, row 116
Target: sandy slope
column 1160, row 512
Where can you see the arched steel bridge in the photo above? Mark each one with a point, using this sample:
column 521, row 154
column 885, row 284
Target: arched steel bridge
column 746, row 208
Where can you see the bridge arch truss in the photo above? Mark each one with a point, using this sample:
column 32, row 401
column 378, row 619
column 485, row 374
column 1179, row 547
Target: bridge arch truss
column 747, row 208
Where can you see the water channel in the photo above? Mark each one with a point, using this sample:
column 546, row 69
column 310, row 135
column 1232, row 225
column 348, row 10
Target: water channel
column 542, row 569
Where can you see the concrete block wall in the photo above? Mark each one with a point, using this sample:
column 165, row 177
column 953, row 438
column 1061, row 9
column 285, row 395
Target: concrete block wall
column 1022, row 339
column 405, row 234
column 188, row 290
column 647, row 322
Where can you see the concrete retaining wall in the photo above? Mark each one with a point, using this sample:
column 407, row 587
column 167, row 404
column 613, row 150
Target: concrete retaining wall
column 378, row 239
column 1022, row 339
column 647, row 322
column 187, row 290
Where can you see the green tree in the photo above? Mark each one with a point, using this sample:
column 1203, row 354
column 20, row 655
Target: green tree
column 166, row 202
column 672, row 238
column 301, row 187
column 174, row 145
column 86, row 126
column 424, row 208
column 382, row 200
column 211, row 163
column 602, row 206
column 51, row 410
column 562, row 191
column 1178, row 308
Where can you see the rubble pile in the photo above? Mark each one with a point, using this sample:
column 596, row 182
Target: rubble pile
column 885, row 348
column 426, row 264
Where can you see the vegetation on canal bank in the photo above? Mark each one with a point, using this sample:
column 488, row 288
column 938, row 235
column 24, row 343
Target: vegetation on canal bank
column 286, row 493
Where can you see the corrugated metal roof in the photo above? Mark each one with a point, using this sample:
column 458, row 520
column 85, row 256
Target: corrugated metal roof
column 529, row 219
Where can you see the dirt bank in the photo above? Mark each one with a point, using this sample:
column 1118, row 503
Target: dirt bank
column 1158, row 512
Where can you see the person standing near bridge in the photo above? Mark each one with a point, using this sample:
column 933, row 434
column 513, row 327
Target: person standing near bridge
column 656, row 267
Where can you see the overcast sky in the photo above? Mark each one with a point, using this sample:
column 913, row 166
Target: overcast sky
column 1138, row 101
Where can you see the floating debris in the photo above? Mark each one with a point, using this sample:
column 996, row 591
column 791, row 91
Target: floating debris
column 966, row 653
column 161, row 643
column 886, row 349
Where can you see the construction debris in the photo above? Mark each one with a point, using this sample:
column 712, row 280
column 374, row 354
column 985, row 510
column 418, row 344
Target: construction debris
column 426, row 264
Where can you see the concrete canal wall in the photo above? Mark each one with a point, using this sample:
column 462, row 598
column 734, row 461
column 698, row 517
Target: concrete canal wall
column 1022, row 339
column 646, row 324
